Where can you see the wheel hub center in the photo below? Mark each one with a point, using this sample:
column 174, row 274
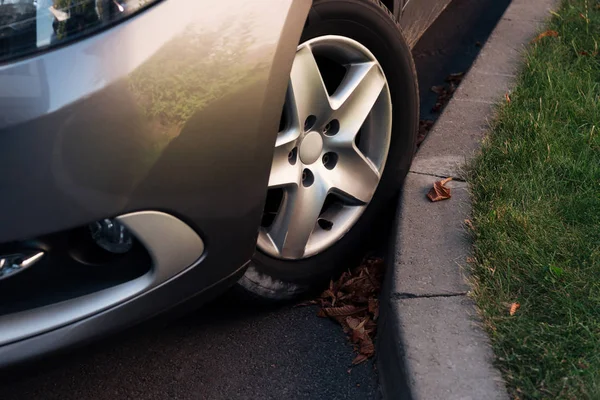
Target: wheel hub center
column 311, row 148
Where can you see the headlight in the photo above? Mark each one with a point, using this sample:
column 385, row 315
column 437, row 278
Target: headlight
column 27, row 26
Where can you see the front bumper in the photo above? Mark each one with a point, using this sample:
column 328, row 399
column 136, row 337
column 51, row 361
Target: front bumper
column 174, row 111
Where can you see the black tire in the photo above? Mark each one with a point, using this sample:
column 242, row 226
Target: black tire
column 370, row 23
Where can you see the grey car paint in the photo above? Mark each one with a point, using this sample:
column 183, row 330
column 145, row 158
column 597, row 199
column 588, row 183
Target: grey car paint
column 79, row 140
column 174, row 110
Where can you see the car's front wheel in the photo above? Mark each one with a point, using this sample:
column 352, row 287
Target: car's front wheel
column 346, row 141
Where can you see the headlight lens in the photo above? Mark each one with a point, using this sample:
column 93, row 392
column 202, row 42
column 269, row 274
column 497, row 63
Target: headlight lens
column 27, row 26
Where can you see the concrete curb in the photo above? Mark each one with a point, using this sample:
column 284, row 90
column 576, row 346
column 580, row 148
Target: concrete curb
column 431, row 345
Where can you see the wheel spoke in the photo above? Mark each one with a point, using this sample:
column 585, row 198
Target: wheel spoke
column 285, row 172
column 297, row 219
column 354, row 177
column 355, row 98
column 309, row 94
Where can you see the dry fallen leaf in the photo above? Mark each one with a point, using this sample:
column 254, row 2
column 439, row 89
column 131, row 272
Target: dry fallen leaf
column 359, row 359
column 352, row 322
column 584, row 17
column 437, row 89
column 455, row 77
column 374, row 307
column 359, row 335
column 545, row 34
column 469, row 224
column 353, row 302
column 507, row 97
column 307, row 303
column 586, row 53
column 445, row 92
column 513, row 308
column 582, row 364
column 342, row 311
column 367, row 347
column 440, row 192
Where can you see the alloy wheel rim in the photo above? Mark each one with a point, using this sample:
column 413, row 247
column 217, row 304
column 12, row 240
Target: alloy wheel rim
column 331, row 149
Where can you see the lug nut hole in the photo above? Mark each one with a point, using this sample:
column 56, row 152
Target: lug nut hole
column 332, row 128
column 309, row 123
column 330, row 160
column 307, row 178
column 325, row 224
column 293, row 156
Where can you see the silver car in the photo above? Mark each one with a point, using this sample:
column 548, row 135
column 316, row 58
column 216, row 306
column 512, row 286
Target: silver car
column 155, row 153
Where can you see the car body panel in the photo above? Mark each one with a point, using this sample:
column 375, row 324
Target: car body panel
column 106, row 125
column 176, row 115
column 418, row 15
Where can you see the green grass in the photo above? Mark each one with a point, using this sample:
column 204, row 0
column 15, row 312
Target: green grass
column 536, row 192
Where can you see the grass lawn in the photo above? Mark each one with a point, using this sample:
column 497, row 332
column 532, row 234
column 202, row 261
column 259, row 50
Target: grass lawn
column 536, row 193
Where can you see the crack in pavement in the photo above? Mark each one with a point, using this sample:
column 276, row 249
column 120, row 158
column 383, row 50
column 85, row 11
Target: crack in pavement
column 404, row 296
column 454, row 178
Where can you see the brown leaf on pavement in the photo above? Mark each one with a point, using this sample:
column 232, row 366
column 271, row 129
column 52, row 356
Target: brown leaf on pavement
column 357, row 326
column 307, row 303
column 455, row 78
column 445, row 92
column 329, row 294
column 438, row 89
column 352, row 322
column 353, row 302
column 374, row 307
column 359, row 359
column 371, row 326
column 545, row 34
column 353, row 282
column 367, row 348
column 342, row 311
column 469, row 224
column 513, row 308
column 440, row 192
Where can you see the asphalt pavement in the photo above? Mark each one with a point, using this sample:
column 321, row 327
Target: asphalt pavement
column 226, row 350
column 230, row 349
